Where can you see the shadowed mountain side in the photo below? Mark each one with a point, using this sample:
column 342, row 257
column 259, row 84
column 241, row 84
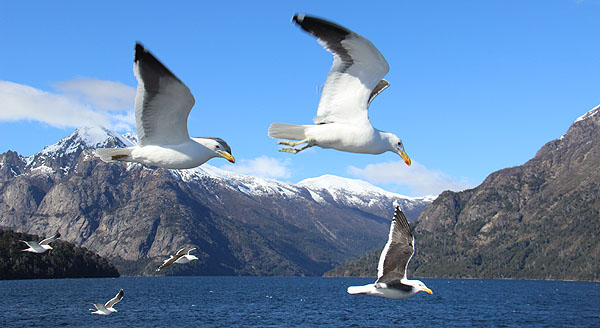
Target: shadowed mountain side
column 540, row 220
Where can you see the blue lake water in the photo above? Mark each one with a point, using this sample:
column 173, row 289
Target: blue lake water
column 296, row 302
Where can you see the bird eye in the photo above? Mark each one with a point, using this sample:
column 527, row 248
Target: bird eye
column 399, row 143
column 218, row 146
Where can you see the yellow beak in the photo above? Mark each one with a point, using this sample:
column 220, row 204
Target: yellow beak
column 428, row 290
column 404, row 156
column 226, row 155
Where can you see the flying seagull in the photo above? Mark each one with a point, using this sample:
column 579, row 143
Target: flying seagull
column 162, row 106
column 354, row 80
column 106, row 309
column 182, row 256
column 392, row 281
column 42, row 246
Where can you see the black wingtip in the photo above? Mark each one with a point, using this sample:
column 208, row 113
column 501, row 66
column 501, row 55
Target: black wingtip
column 57, row 235
column 316, row 26
column 298, row 18
column 139, row 51
column 399, row 215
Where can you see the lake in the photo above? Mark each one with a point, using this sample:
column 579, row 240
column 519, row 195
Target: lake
column 296, row 302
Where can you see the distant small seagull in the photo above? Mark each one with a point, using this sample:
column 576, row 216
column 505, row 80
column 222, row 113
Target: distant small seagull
column 162, row 106
column 355, row 78
column 106, row 309
column 42, row 246
column 392, row 281
column 182, row 256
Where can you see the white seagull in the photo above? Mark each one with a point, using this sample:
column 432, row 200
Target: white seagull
column 42, row 246
column 392, row 281
column 106, row 309
column 182, row 256
column 162, row 106
column 355, row 78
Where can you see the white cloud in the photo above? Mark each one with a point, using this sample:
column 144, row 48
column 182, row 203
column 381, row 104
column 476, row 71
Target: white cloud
column 263, row 166
column 417, row 177
column 22, row 102
column 103, row 95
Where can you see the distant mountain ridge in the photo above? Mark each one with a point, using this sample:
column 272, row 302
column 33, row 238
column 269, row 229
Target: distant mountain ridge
column 136, row 216
column 539, row 220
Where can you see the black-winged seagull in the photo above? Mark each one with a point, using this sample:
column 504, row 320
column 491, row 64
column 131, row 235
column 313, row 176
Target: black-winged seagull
column 355, row 78
column 162, row 106
column 106, row 309
column 182, row 256
column 392, row 281
column 42, row 246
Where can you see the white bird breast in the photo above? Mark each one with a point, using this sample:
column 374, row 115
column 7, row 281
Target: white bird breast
column 182, row 156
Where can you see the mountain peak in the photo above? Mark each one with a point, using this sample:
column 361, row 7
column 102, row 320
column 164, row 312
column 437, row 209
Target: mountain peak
column 60, row 154
column 333, row 182
column 89, row 137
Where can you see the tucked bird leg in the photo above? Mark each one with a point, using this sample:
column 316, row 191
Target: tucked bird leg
column 310, row 142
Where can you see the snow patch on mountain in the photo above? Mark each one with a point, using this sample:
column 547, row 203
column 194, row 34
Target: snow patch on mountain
column 589, row 114
column 42, row 170
column 243, row 183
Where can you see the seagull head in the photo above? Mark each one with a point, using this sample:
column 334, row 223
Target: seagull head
column 397, row 147
column 219, row 146
column 192, row 257
column 419, row 286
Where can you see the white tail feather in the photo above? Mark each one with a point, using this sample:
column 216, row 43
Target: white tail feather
column 360, row 289
column 114, row 154
column 287, row 131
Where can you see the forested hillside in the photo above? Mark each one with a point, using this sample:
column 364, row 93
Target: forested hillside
column 65, row 260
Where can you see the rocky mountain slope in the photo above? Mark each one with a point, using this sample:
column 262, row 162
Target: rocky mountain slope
column 540, row 220
column 136, row 216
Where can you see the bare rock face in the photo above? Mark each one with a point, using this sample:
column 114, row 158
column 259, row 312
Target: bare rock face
column 540, row 220
column 136, row 216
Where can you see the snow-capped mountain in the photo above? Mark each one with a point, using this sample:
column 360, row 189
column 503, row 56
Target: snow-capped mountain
column 240, row 224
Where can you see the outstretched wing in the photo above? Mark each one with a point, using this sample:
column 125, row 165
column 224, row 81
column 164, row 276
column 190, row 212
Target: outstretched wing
column 168, row 262
column 357, row 68
column 162, row 102
column 181, row 252
column 190, row 250
column 397, row 251
column 50, row 239
column 115, row 299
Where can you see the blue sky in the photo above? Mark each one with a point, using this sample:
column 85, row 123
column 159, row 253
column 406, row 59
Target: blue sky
column 476, row 86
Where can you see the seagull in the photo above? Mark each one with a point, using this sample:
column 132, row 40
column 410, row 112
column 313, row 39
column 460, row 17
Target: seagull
column 42, row 246
column 162, row 106
column 354, row 80
column 106, row 309
column 182, row 256
column 392, row 281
